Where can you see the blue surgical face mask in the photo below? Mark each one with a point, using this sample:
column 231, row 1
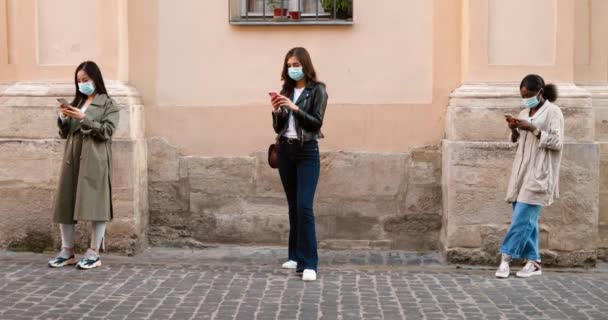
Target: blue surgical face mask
column 296, row 73
column 86, row 87
column 531, row 102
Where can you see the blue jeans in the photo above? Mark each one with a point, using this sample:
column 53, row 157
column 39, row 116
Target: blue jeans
column 521, row 241
column 299, row 167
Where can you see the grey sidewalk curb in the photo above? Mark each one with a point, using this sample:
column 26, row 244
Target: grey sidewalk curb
column 237, row 256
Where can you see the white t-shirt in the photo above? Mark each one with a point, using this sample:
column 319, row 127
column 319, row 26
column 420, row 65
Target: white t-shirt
column 291, row 128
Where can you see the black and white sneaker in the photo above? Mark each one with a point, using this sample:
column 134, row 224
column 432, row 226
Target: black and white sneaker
column 91, row 260
column 64, row 258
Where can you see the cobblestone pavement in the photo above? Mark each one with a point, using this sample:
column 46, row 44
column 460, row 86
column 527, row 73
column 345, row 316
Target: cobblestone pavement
column 245, row 283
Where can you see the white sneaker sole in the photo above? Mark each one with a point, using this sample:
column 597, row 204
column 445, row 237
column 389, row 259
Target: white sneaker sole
column 528, row 275
column 289, row 266
column 307, row 276
column 69, row 262
column 94, row 265
column 502, row 275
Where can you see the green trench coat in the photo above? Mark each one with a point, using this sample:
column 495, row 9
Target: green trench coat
column 85, row 187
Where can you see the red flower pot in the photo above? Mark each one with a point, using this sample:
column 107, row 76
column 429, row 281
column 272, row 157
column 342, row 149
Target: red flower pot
column 294, row 15
column 280, row 12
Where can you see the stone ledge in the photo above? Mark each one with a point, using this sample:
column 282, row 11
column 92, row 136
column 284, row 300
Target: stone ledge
column 504, row 90
column 488, row 123
column 20, row 122
column 596, row 91
column 584, row 258
column 60, row 89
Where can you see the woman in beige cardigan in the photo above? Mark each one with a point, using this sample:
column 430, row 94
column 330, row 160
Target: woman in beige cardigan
column 539, row 133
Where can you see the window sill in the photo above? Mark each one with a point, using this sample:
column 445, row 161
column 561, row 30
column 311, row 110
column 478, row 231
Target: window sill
column 243, row 22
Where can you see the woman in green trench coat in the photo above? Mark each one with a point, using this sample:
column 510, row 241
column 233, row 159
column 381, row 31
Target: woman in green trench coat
column 85, row 187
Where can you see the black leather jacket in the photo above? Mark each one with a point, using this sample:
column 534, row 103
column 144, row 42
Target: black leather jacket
column 309, row 119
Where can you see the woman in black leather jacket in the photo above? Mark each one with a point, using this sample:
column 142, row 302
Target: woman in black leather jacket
column 297, row 119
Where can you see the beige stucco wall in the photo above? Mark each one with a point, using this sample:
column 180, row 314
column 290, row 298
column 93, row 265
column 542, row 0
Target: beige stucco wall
column 591, row 46
column 203, row 83
column 512, row 42
column 385, row 94
column 62, row 36
column 563, row 40
column 388, row 79
column 46, row 39
column 492, row 53
column 207, row 62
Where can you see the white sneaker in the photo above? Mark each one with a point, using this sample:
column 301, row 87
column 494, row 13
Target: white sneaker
column 290, row 265
column 309, row 275
column 532, row 268
column 64, row 258
column 503, row 270
column 91, row 260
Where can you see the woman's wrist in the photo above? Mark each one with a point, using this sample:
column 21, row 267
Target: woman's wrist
column 294, row 107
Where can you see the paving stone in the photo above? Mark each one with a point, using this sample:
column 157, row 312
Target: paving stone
column 163, row 288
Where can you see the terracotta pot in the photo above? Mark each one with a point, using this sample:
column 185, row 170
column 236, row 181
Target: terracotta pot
column 294, row 15
column 280, row 12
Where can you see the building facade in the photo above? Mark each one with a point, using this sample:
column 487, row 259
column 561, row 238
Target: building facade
column 416, row 155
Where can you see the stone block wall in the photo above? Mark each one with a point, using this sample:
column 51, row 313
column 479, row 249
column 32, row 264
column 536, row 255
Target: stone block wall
column 476, row 167
column 30, row 158
column 363, row 200
column 448, row 198
column 599, row 95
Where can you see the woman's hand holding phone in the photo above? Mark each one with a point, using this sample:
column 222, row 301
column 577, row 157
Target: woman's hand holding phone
column 275, row 100
column 76, row 113
column 278, row 100
column 72, row 112
column 63, row 105
column 512, row 122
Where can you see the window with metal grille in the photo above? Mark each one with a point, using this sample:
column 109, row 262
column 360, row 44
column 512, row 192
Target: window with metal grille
column 286, row 12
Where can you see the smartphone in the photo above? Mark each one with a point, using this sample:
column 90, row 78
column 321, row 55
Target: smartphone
column 64, row 103
column 273, row 94
column 510, row 118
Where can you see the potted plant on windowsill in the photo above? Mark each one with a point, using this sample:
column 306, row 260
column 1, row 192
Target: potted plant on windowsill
column 279, row 8
column 344, row 8
column 294, row 15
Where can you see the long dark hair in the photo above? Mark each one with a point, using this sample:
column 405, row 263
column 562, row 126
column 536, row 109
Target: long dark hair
column 92, row 70
column 309, row 70
column 535, row 83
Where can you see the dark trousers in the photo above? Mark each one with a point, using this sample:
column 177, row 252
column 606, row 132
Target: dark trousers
column 299, row 167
